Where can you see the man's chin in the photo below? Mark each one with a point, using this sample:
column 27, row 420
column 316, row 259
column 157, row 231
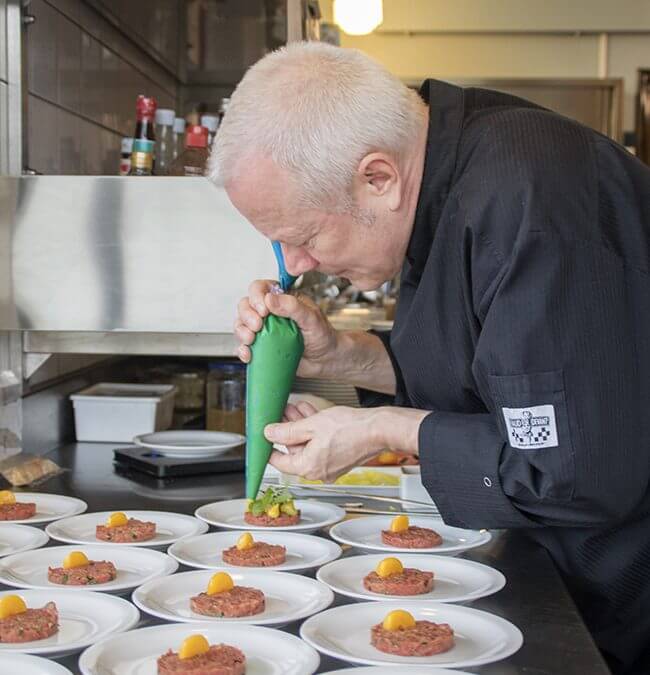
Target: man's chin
column 366, row 284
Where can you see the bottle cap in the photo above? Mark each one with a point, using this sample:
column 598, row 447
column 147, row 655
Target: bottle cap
column 179, row 125
column 197, row 136
column 145, row 106
column 127, row 146
column 142, row 145
column 210, row 122
column 165, row 116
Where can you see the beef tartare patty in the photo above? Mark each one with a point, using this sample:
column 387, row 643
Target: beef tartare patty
column 134, row 530
column 412, row 537
column 33, row 624
column 264, row 520
column 218, row 660
column 238, row 601
column 424, row 639
column 17, row 511
column 85, row 575
column 259, row 554
column 408, row 582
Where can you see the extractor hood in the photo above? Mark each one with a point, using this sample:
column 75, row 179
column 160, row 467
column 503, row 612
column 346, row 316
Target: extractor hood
column 89, row 255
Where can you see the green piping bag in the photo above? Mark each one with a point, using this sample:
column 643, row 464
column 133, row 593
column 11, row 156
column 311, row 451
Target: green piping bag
column 276, row 352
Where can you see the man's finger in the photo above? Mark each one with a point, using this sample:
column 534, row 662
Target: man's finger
column 244, row 334
column 256, row 292
column 291, row 307
column 244, row 353
column 286, row 463
column 288, row 433
column 291, row 413
column 306, row 409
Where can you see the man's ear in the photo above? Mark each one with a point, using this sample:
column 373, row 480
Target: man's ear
column 378, row 176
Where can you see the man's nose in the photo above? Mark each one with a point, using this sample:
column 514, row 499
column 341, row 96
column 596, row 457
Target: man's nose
column 297, row 260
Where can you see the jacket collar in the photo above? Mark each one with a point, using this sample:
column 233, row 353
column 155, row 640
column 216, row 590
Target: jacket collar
column 446, row 109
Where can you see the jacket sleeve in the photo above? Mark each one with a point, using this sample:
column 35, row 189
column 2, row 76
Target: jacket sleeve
column 561, row 365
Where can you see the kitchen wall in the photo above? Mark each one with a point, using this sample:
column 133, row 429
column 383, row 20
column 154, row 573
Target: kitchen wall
column 86, row 63
column 512, row 38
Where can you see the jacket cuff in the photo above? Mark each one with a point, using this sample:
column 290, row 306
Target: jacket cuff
column 373, row 399
column 460, row 456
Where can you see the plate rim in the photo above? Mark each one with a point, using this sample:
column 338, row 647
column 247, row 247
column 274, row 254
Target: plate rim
column 41, row 534
column 513, row 629
column 137, row 601
column 140, row 544
column 430, row 670
column 329, row 542
column 79, row 644
column 54, row 667
column 83, row 505
column 499, row 581
column 305, row 527
column 138, row 440
column 484, row 538
column 296, row 642
column 76, row 589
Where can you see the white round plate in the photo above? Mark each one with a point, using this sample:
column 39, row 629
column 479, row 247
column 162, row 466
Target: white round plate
column 135, row 566
column 190, row 444
column 25, row 664
column 288, row 596
column 84, row 618
column 381, row 670
column 19, row 538
column 49, row 507
column 455, row 579
column 170, row 527
column 344, row 633
column 230, row 515
column 268, row 651
column 365, row 534
column 304, row 551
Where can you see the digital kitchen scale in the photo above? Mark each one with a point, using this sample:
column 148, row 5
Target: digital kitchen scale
column 150, row 462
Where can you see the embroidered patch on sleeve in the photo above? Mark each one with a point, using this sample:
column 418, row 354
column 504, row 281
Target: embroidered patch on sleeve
column 532, row 427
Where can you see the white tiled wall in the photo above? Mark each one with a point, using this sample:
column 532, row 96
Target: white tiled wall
column 84, row 74
column 3, row 53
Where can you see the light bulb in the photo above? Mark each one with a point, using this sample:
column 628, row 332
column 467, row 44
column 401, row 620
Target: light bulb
column 358, row 17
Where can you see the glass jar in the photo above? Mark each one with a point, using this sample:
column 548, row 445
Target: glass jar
column 190, row 389
column 226, row 397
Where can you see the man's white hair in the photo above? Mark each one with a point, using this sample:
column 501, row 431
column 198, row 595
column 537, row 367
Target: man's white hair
column 316, row 110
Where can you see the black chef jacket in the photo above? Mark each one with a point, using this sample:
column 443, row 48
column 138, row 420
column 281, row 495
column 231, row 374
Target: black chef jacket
column 523, row 323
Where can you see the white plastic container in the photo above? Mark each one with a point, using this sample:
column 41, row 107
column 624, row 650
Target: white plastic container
column 114, row 412
column 411, row 487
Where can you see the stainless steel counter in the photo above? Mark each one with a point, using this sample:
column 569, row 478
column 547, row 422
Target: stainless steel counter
column 535, row 599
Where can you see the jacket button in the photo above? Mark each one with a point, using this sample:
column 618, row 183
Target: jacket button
column 487, row 482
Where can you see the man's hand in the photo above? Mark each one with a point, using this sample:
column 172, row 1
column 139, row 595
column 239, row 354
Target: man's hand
column 324, row 445
column 319, row 336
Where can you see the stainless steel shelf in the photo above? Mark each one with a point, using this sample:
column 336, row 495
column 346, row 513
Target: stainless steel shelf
column 131, row 343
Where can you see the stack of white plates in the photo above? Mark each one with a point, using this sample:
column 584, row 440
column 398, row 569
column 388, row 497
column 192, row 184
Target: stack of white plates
column 338, row 393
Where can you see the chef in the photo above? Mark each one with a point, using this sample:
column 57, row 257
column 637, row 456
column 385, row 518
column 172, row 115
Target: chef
column 518, row 367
